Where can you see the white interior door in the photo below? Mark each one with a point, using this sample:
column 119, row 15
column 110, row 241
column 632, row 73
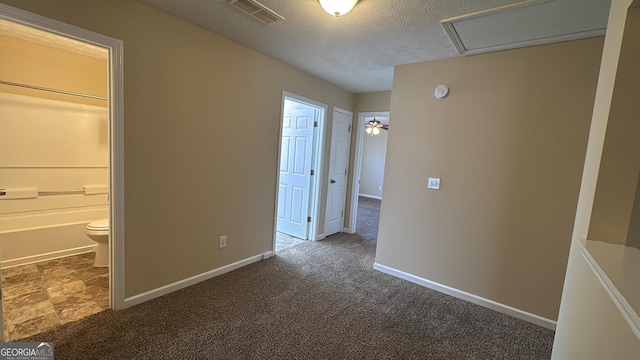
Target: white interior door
column 295, row 169
column 338, row 164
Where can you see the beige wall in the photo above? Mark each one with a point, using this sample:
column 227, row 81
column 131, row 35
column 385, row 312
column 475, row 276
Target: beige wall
column 364, row 102
column 372, row 102
column 620, row 164
column 374, row 149
column 46, row 128
column 508, row 144
column 26, row 62
column 633, row 238
column 201, row 119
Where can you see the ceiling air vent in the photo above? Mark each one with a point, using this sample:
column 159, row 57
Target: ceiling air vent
column 257, row 11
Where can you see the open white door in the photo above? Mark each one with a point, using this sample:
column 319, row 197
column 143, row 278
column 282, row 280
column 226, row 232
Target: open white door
column 338, row 164
column 295, row 168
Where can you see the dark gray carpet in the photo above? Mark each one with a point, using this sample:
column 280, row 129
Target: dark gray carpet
column 317, row 300
column 368, row 218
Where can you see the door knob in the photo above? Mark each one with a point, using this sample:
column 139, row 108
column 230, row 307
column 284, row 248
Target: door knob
column 333, row 181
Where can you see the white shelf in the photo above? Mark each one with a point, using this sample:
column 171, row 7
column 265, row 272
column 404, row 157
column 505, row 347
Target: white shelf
column 618, row 267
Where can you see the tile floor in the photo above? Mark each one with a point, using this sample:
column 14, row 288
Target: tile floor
column 284, row 241
column 39, row 296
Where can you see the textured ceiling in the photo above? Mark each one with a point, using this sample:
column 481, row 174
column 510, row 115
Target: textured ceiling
column 356, row 51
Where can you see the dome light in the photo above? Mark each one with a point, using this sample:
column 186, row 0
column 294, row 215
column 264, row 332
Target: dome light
column 337, row 7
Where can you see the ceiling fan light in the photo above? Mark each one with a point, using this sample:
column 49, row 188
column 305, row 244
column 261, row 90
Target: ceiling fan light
column 368, row 129
column 376, row 130
column 337, row 7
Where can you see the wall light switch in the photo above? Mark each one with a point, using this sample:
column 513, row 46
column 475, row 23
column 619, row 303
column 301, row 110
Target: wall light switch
column 433, row 183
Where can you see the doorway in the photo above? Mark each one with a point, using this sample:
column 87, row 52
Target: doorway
column 113, row 135
column 300, row 171
column 373, row 169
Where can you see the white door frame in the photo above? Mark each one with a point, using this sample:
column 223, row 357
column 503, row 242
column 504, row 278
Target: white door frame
column 318, row 152
column 357, row 166
column 116, row 133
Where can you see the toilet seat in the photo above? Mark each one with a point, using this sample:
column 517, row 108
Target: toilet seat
column 99, row 225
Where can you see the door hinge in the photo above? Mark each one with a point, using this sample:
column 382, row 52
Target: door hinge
column 345, row 171
column 308, row 218
column 315, row 123
column 312, row 172
column 342, row 214
column 349, row 129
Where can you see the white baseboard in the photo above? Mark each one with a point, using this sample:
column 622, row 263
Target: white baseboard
column 47, row 256
column 267, row 255
column 371, row 196
column 505, row 309
column 318, row 237
column 163, row 290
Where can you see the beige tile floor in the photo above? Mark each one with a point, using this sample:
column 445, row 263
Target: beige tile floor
column 283, row 241
column 39, row 296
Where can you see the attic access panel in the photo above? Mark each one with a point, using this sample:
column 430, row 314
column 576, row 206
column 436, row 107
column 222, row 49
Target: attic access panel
column 527, row 23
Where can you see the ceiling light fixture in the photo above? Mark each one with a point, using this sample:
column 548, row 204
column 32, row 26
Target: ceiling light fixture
column 373, row 127
column 337, row 7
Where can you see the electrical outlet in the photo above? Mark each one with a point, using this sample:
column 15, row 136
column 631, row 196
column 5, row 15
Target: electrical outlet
column 223, row 241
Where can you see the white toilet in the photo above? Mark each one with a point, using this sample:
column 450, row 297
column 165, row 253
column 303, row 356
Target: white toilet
column 98, row 231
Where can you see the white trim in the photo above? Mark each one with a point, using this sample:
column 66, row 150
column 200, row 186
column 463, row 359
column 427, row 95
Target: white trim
column 116, row 165
column 166, row 289
column 375, row 197
column 490, row 304
column 357, row 166
column 33, row 228
column 267, row 255
column 116, row 131
column 617, row 298
column 319, row 161
column 47, row 256
column 447, row 24
column 543, row 41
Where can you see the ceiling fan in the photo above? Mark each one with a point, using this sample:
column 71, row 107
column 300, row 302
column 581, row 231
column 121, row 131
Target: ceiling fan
column 373, row 127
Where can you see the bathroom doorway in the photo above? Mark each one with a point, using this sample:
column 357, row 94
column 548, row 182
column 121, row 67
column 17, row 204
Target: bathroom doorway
column 369, row 162
column 69, row 175
column 299, row 175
